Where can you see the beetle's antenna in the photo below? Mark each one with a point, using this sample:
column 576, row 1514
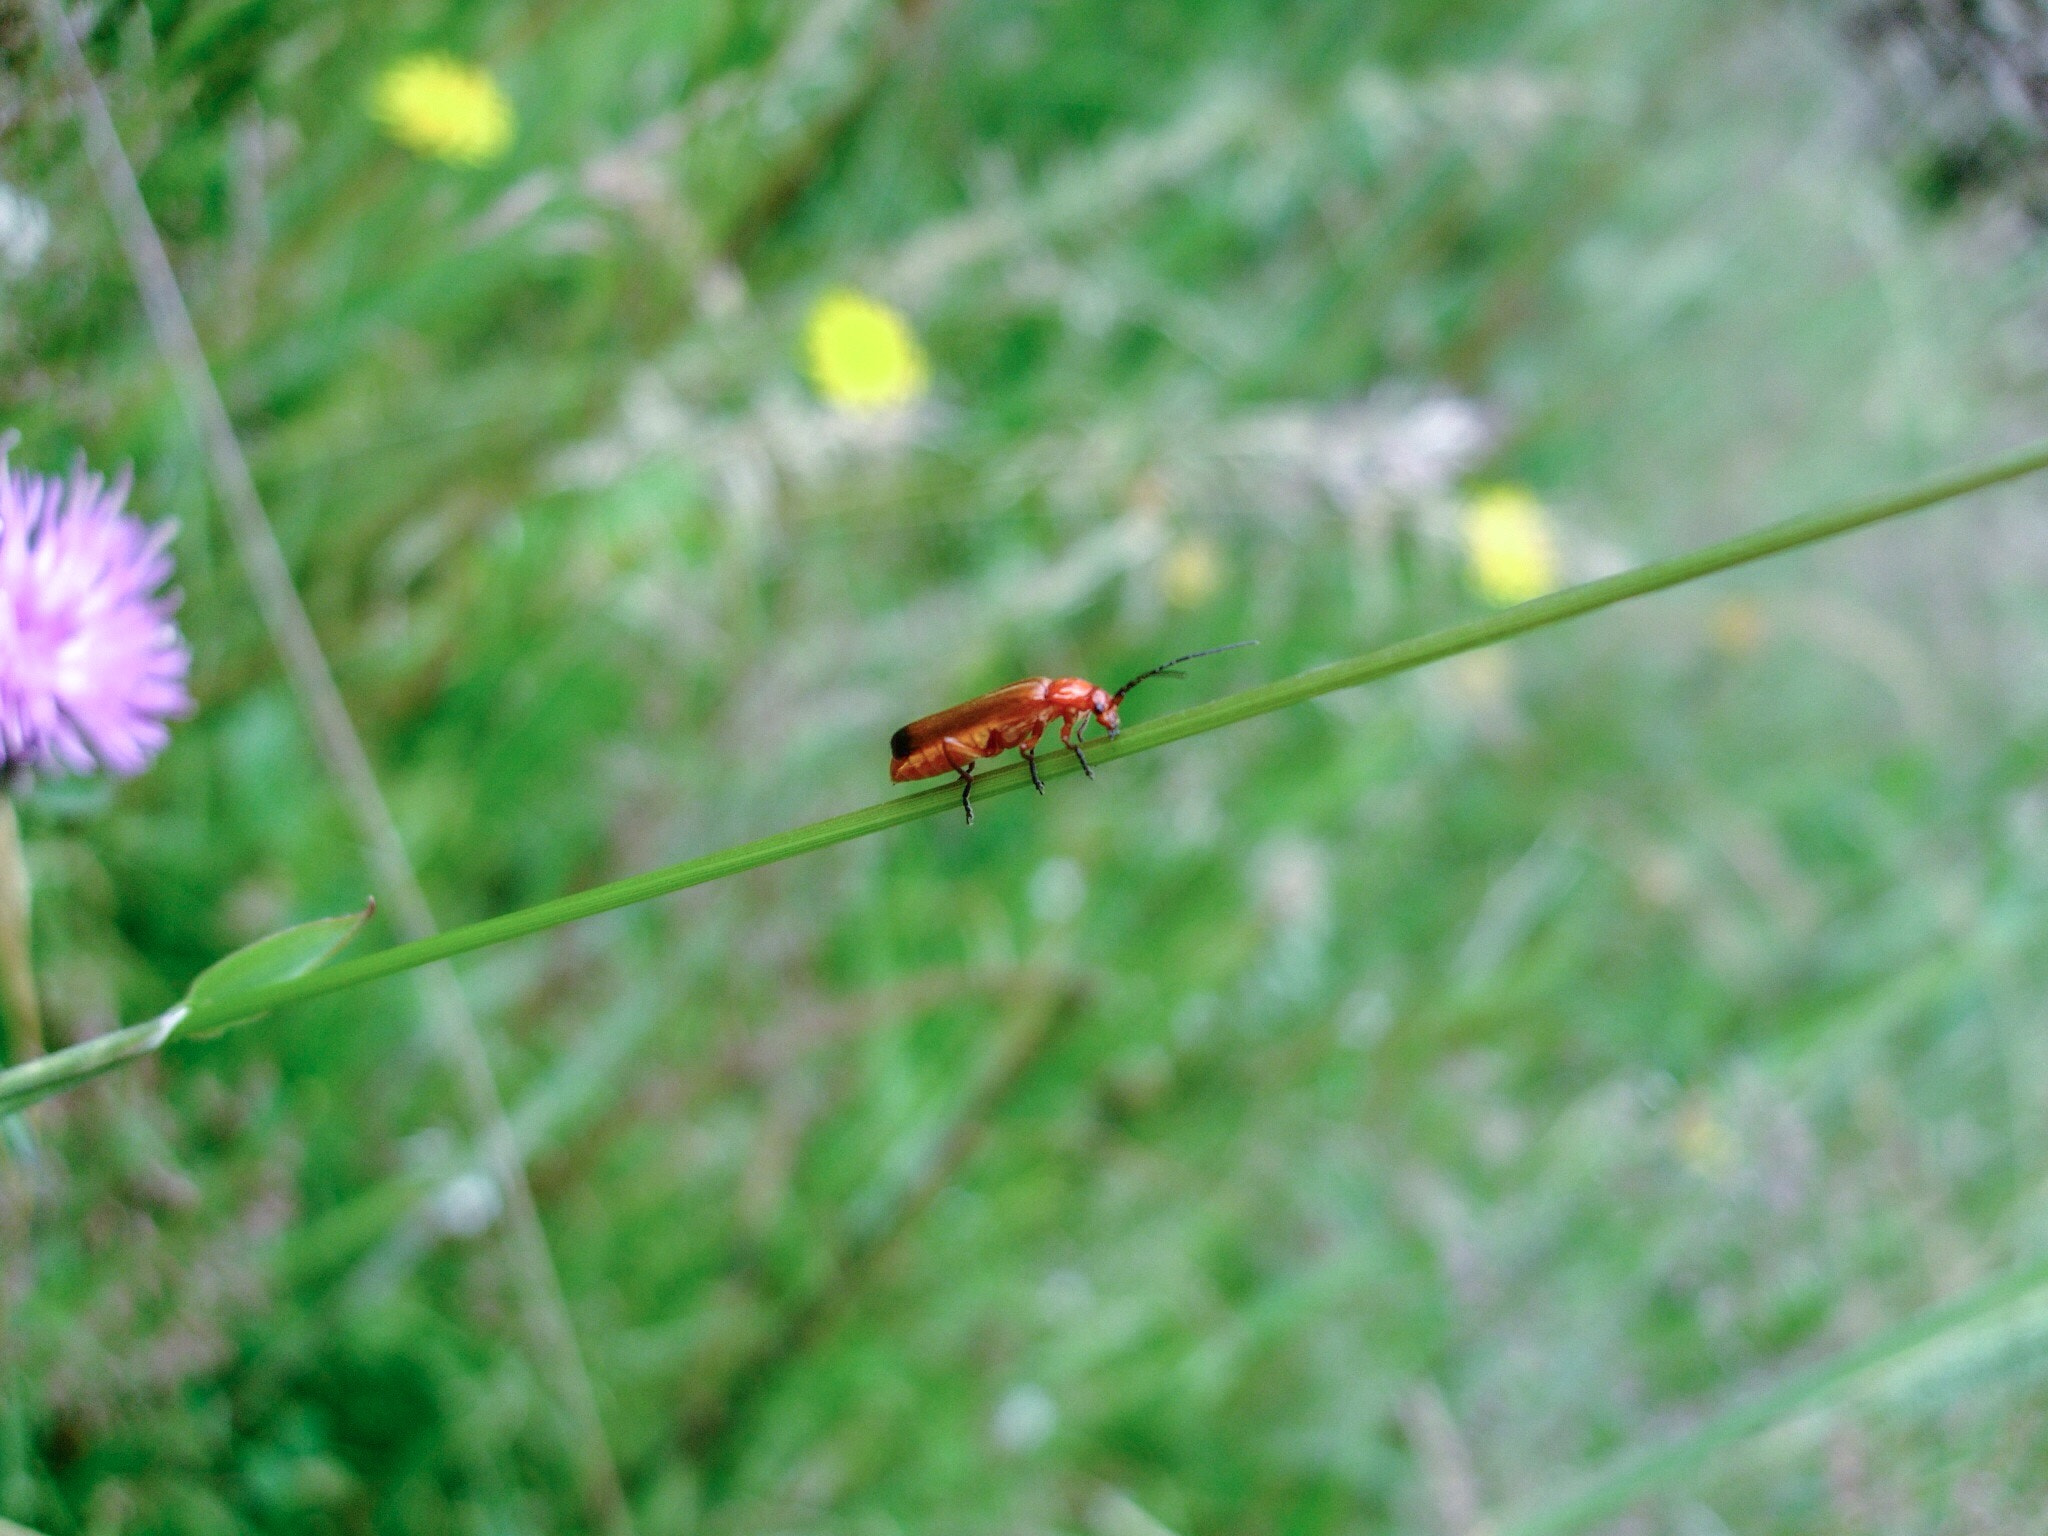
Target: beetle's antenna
column 1166, row 669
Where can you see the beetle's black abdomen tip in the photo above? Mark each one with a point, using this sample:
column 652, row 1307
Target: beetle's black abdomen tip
column 899, row 744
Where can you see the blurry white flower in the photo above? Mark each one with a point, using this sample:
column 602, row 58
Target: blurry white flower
column 1064, row 1294
column 424, row 1150
column 1292, row 878
column 467, row 1204
column 1112, row 1512
column 1058, row 889
column 24, row 230
column 1398, row 444
column 1432, row 442
column 1024, row 1420
column 1365, row 1017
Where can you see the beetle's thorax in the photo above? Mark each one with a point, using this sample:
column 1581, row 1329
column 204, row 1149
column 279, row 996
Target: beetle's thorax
column 1074, row 697
column 1071, row 695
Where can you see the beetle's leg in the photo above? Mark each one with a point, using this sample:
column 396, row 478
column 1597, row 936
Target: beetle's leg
column 966, row 772
column 1071, row 738
column 1028, row 750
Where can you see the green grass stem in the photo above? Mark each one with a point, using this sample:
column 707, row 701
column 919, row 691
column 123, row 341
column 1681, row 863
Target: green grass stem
column 1403, row 656
column 61, row 1070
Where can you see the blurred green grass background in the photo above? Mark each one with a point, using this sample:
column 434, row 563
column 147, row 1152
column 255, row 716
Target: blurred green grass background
column 1366, row 1119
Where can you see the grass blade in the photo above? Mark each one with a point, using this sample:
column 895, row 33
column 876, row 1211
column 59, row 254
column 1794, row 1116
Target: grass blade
column 1403, row 656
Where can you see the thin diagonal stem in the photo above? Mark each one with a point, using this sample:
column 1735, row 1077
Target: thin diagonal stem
column 65, row 1069
column 1373, row 665
column 454, row 1029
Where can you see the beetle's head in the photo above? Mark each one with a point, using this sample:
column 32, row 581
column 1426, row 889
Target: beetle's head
column 1104, row 708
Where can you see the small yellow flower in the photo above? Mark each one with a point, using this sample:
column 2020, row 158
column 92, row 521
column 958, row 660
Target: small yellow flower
column 435, row 104
column 1192, row 573
column 1510, row 555
column 863, row 355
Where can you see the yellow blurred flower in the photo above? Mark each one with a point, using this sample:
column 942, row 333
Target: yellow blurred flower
column 863, row 355
column 1192, row 572
column 1510, row 554
column 435, row 104
column 1738, row 627
column 1704, row 1144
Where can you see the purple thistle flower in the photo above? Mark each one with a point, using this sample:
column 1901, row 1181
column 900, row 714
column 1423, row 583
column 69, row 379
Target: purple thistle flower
column 91, row 661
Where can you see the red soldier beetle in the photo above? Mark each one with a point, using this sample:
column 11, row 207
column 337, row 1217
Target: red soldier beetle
column 953, row 739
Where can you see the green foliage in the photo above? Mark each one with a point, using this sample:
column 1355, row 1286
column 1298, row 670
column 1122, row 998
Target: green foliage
column 1394, row 1110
